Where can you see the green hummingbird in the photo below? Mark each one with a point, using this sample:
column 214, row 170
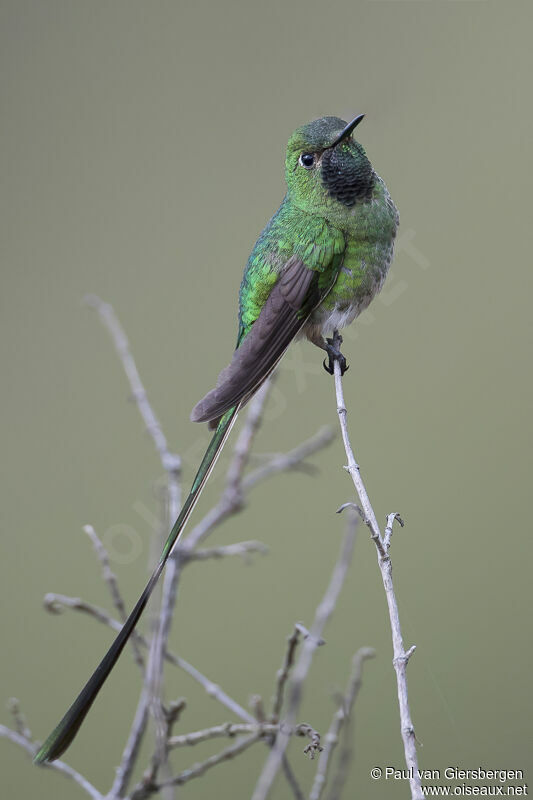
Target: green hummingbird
column 314, row 268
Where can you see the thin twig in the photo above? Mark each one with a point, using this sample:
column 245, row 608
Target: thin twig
column 283, row 674
column 201, row 768
column 163, row 622
column 291, row 778
column 340, row 717
column 57, row 603
column 231, row 729
column 303, row 664
column 232, row 499
column 146, row 788
column 133, row 745
column 243, row 549
column 401, row 656
column 59, row 766
column 243, row 445
column 171, row 715
column 256, row 704
column 171, row 462
column 172, row 465
column 173, row 573
column 111, row 580
column 295, row 459
column 21, row 726
column 306, row 634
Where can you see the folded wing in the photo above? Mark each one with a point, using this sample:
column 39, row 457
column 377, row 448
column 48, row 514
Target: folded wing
column 292, row 299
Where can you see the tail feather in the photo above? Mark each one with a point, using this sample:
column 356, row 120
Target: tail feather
column 61, row 737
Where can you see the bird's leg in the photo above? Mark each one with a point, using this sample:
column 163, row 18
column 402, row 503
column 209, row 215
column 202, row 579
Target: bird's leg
column 332, row 348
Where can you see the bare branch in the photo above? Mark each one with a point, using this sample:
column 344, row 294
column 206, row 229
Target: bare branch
column 341, row 716
column 171, row 715
column 283, row 674
column 232, row 497
column 174, row 712
column 199, row 769
column 171, row 464
column 256, row 704
column 231, row 729
column 57, row 603
column 306, row 634
column 293, row 460
column 232, row 501
column 303, row 664
column 213, row 689
column 400, row 658
column 237, row 486
column 291, row 779
column 388, row 530
column 133, row 745
column 163, row 622
column 170, row 461
column 243, row 549
column 146, row 788
column 182, row 553
column 243, row 445
column 19, row 719
column 111, row 580
column 59, row 766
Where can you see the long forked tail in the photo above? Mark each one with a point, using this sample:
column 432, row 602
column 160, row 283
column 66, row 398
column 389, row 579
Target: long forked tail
column 62, row 735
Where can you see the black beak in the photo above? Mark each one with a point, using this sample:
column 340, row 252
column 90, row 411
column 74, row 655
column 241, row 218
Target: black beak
column 347, row 130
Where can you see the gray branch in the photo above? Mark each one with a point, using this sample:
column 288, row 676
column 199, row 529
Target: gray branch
column 232, row 501
column 170, row 461
column 341, row 716
column 382, row 543
column 111, row 580
column 303, row 664
column 162, row 626
column 231, row 729
column 57, row 603
column 133, row 745
column 147, row 786
column 283, row 674
column 293, row 460
column 242, row 549
column 58, row 766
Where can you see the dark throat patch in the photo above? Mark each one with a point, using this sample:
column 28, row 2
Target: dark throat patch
column 347, row 175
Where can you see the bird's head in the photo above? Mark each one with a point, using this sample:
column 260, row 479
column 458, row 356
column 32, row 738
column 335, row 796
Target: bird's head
column 325, row 166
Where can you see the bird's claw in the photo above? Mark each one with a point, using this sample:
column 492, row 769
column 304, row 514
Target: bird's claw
column 329, row 367
column 334, row 354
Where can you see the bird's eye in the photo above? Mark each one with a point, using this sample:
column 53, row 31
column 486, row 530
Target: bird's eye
column 307, row 160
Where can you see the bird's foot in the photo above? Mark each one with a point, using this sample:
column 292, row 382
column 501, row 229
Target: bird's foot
column 332, row 347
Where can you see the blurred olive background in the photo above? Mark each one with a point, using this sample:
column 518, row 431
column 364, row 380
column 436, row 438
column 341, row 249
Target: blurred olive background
column 142, row 152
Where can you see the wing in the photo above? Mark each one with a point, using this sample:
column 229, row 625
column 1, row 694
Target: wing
column 298, row 291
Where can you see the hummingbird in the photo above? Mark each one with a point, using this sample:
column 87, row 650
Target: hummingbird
column 315, row 267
